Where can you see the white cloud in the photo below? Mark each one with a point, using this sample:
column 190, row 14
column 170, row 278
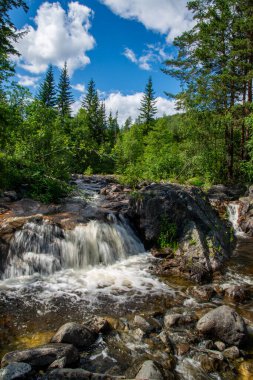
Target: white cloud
column 128, row 105
column 153, row 53
column 59, row 36
column 78, row 87
column 27, row 81
column 170, row 17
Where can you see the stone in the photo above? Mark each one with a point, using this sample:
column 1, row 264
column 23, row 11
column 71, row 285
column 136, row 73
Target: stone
column 12, row 195
column 211, row 362
column 15, row 371
column 201, row 293
column 141, row 323
column 78, row 374
column 232, row 353
column 246, row 370
column 225, row 324
column 182, row 348
column 59, row 363
column 171, row 320
column 76, row 334
column 43, row 356
column 220, row 345
column 99, row 325
column 236, row 293
column 149, row 371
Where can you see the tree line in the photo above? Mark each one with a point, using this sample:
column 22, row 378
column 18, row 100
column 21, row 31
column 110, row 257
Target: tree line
column 208, row 141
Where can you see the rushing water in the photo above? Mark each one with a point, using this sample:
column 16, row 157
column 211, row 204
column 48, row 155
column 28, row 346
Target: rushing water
column 53, row 276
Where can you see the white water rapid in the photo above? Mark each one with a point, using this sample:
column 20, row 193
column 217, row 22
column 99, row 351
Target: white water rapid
column 233, row 216
column 44, row 248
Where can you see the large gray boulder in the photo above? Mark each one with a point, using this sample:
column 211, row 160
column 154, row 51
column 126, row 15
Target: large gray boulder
column 43, row 356
column 225, row 324
column 76, row 334
column 15, row 371
column 204, row 240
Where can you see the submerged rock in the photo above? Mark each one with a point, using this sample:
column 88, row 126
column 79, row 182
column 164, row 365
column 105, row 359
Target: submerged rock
column 15, row 371
column 79, row 374
column 76, row 334
column 43, row 356
column 225, row 324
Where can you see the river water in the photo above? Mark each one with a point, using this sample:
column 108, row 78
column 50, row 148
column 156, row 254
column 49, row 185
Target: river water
column 53, row 277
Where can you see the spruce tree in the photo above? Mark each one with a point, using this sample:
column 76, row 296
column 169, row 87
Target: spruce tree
column 148, row 108
column 64, row 98
column 47, row 92
column 112, row 129
column 94, row 112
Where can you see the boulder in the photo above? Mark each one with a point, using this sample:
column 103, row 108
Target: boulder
column 99, row 325
column 43, row 356
column 15, row 371
column 141, row 323
column 76, row 334
column 79, row 374
column 232, row 353
column 225, row 324
column 236, row 293
column 183, row 216
column 149, row 371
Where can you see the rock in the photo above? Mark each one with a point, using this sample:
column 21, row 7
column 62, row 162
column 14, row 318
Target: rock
column 78, row 374
column 224, row 193
column 59, row 363
column 201, row 293
column 43, row 356
column 15, row 371
column 166, row 341
column 246, row 370
column 12, row 195
column 182, row 348
column 220, row 345
column 76, row 334
column 149, row 371
column 232, row 353
column 171, row 320
column 99, row 325
column 211, row 362
column 204, row 241
column 141, row 323
column 138, row 334
column 223, row 323
column 236, row 293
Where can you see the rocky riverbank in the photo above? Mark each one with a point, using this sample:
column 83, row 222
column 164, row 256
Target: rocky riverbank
column 148, row 317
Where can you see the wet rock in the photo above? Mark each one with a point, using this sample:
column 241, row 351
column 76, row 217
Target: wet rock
column 246, row 370
column 79, row 374
column 182, row 348
column 15, row 371
column 43, row 356
column 236, row 293
column 99, row 325
column 225, row 324
column 164, row 338
column 232, row 353
column 59, row 363
column 211, row 362
column 162, row 253
column 201, row 293
column 171, row 320
column 76, row 334
column 12, row 195
column 149, row 371
column 220, row 345
column 224, row 193
column 138, row 334
column 141, row 323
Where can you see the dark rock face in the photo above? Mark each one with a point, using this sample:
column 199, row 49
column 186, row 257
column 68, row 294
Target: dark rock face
column 43, row 356
column 76, row 334
column 205, row 242
column 225, row 324
column 78, row 374
column 225, row 193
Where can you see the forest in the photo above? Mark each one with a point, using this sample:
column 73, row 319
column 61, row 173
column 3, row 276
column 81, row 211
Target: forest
column 208, row 141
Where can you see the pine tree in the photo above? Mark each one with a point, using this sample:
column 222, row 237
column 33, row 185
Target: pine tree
column 47, row 92
column 64, row 98
column 8, row 36
column 148, row 108
column 94, row 112
column 102, row 123
column 112, row 129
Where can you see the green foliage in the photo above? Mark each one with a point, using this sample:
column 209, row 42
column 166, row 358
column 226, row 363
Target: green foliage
column 148, row 108
column 64, row 98
column 168, row 234
column 47, row 92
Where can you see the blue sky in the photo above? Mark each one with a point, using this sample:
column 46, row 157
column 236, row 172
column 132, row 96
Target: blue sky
column 118, row 43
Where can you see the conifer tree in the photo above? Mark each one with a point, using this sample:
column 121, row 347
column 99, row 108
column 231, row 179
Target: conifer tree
column 148, row 108
column 112, row 129
column 64, row 98
column 47, row 92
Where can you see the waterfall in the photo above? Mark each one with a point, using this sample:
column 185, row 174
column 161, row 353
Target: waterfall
column 233, row 216
column 44, row 248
